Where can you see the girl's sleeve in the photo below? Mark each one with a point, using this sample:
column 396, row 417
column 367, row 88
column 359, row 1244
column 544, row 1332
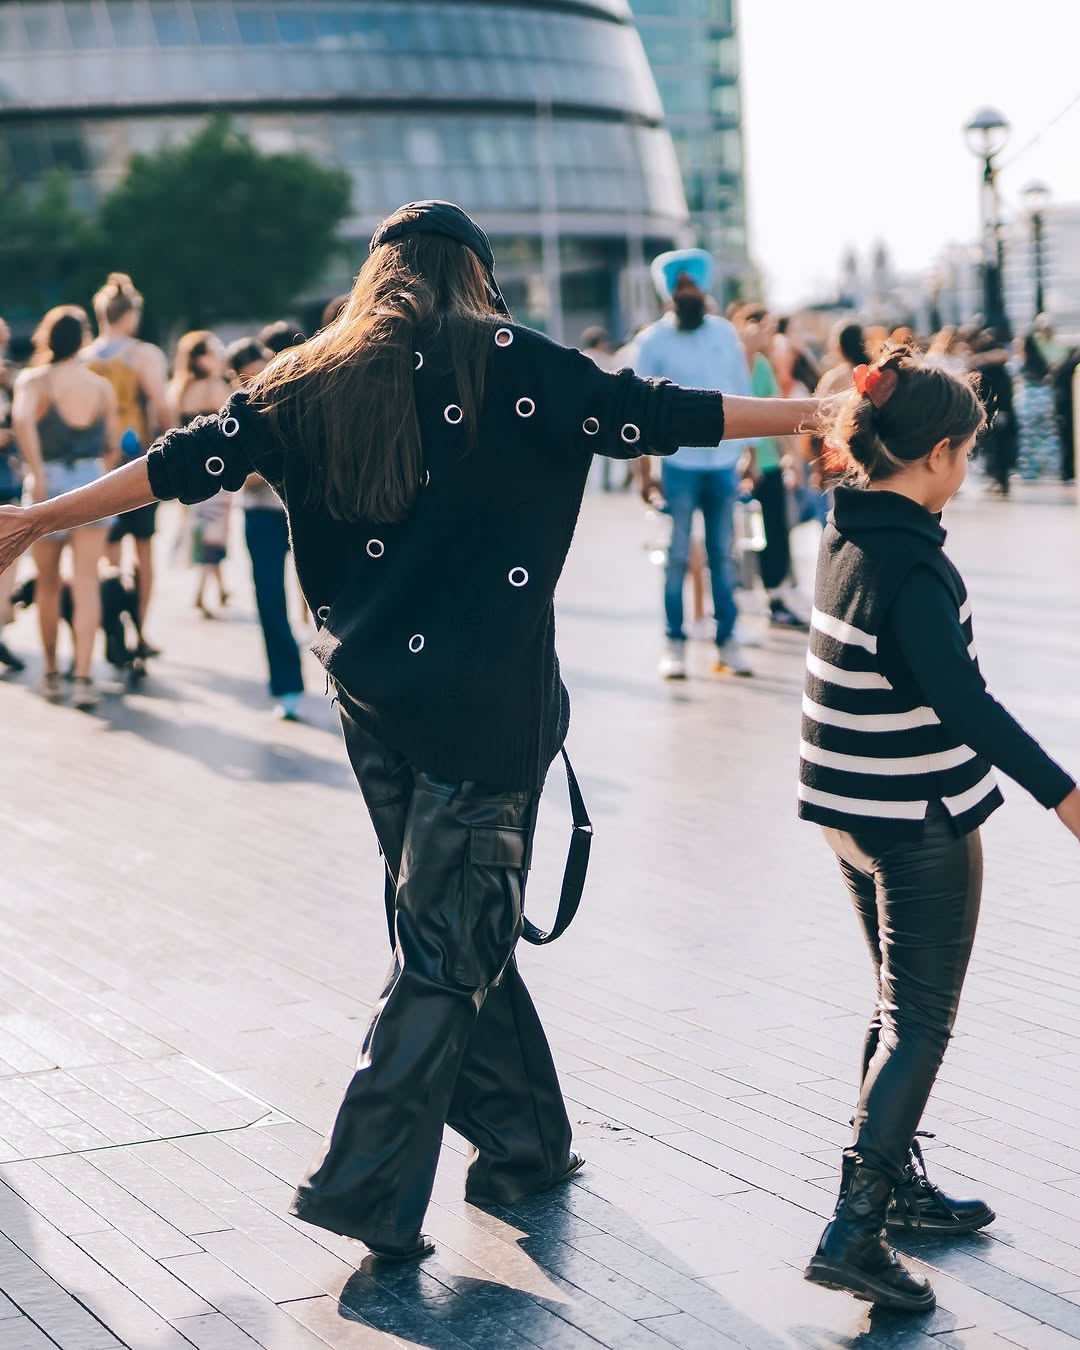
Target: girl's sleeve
column 192, row 463
column 624, row 415
column 924, row 624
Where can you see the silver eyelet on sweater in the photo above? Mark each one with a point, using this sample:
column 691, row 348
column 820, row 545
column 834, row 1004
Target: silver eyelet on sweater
column 590, row 426
column 416, row 643
column 631, row 434
column 322, row 613
column 503, row 337
column 518, row 577
column 375, row 548
column 525, row 407
column 419, row 364
column 230, row 427
column 453, row 414
column 215, row 466
column 426, row 480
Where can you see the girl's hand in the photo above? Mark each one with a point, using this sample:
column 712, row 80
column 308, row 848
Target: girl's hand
column 1069, row 812
column 17, row 532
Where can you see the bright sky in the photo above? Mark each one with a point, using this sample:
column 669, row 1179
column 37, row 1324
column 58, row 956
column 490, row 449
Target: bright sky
column 853, row 117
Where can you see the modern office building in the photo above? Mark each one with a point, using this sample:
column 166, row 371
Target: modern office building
column 693, row 49
column 539, row 116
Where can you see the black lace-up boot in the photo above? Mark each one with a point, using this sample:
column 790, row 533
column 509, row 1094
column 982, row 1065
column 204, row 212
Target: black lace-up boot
column 853, row 1254
column 919, row 1204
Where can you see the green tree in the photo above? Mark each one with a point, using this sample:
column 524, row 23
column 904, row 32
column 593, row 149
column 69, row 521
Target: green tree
column 216, row 229
column 50, row 251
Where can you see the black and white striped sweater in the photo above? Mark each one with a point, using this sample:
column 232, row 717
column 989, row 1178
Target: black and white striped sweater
column 873, row 751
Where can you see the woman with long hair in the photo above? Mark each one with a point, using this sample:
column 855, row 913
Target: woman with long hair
column 432, row 456
column 64, row 419
column 199, row 386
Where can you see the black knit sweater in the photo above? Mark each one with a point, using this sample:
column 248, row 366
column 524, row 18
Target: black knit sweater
column 442, row 628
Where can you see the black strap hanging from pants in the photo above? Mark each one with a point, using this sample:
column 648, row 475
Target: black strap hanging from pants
column 577, row 866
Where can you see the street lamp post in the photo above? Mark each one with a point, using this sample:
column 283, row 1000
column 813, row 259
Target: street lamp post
column 986, row 135
column 1036, row 195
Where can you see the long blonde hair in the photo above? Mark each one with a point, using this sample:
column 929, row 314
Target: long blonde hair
column 346, row 397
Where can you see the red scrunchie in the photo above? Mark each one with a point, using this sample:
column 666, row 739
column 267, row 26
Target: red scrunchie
column 875, row 384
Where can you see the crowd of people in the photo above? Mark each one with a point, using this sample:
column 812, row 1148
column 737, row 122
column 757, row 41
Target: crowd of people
column 83, row 405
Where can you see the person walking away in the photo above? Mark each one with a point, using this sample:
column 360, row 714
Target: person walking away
column 432, row 456
column 693, row 348
column 137, row 371
column 199, row 387
column 65, row 422
column 900, row 744
column 989, row 360
column 768, row 475
column 266, row 533
column 10, row 493
column 1038, row 446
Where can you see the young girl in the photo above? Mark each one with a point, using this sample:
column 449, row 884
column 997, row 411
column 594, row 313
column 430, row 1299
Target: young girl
column 900, row 742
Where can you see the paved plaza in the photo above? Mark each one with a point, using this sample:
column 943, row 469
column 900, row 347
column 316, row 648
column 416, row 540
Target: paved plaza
column 191, row 930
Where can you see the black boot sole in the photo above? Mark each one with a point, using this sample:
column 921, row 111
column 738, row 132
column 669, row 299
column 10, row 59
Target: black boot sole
column 424, row 1247
column 940, row 1228
column 847, row 1279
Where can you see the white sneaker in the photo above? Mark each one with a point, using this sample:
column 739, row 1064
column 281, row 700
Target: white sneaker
column 731, row 660
column 673, row 661
column 85, row 695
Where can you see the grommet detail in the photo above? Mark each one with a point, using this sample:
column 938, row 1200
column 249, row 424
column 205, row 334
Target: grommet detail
column 453, row 414
column 416, row 643
column 426, row 480
column 631, row 434
column 590, row 426
column 323, row 613
column 525, row 407
column 215, row 466
column 375, row 548
column 419, row 363
column 230, row 427
column 518, row 577
column 503, row 337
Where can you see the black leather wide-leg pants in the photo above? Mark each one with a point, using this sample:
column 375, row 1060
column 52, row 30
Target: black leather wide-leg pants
column 918, row 904
column 454, row 1037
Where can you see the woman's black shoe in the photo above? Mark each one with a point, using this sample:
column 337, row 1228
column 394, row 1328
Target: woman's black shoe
column 853, row 1254
column 510, row 1196
column 9, row 659
column 918, row 1204
column 423, row 1246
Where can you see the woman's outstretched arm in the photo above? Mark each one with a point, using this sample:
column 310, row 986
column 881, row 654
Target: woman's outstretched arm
column 748, row 418
column 122, row 490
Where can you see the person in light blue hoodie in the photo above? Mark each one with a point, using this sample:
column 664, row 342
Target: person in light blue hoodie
column 701, row 351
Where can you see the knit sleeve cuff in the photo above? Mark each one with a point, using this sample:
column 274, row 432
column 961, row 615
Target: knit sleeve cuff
column 1053, row 787
column 161, row 480
column 696, row 417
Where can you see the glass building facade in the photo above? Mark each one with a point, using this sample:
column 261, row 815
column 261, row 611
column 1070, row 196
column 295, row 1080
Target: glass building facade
column 541, row 117
column 692, row 46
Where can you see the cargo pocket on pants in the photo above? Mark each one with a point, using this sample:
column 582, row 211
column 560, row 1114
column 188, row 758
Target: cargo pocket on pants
column 491, row 902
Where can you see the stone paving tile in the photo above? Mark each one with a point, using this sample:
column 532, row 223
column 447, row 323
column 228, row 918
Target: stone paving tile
column 181, row 995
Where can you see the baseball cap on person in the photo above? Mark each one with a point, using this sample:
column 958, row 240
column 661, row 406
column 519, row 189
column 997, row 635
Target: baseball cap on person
column 448, row 220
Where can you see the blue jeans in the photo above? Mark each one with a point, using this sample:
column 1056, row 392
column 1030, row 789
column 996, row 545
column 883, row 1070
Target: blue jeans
column 267, row 535
column 713, row 493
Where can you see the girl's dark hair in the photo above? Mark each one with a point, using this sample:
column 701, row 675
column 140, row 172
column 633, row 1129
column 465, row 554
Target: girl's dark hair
column 928, row 405
column 346, row 398
column 852, row 344
column 1036, row 367
column 60, row 335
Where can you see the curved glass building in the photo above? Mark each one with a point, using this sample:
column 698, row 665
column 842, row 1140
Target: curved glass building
column 540, row 116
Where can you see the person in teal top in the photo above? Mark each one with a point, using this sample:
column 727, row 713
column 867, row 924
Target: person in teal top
column 769, row 486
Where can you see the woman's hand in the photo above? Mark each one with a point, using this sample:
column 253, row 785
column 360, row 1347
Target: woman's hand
column 1069, row 812
column 18, row 530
